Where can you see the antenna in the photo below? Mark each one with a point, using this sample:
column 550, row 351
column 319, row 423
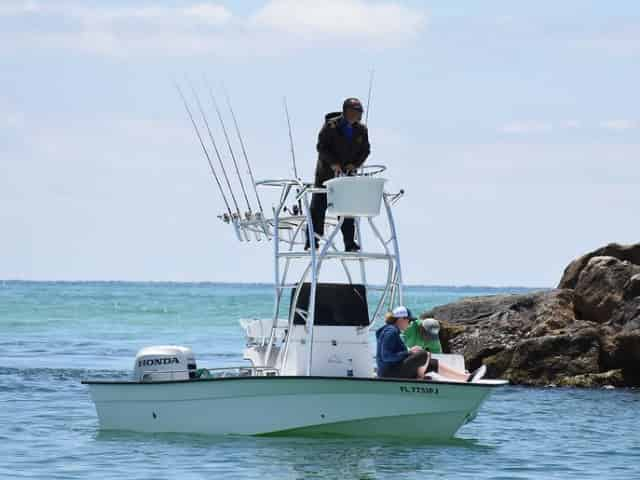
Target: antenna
column 215, row 147
column 293, row 153
column 244, row 152
column 204, row 148
column 366, row 115
column 233, row 157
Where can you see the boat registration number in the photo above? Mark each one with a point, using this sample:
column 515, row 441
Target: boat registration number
column 417, row 389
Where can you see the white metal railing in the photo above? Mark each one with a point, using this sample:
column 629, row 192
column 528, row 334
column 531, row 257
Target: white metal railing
column 241, row 371
column 221, row 372
column 290, row 220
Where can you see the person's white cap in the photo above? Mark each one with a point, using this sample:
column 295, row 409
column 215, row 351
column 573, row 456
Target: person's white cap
column 402, row 312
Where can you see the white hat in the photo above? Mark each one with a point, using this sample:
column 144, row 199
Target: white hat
column 431, row 326
column 402, row 312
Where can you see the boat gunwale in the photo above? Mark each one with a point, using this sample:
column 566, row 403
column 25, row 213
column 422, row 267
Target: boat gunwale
column 290, row 377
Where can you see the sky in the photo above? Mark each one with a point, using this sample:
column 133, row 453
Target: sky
column 513, row 127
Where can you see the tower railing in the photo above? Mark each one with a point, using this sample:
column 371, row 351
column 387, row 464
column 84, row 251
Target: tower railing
column 286, row 228
column 290, row 217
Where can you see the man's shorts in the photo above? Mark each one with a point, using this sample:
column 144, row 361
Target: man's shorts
column 408, row 368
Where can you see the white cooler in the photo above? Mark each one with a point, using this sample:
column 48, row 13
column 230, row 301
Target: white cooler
column 354, row 196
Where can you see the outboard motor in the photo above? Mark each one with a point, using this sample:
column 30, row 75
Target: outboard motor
column 164, row 362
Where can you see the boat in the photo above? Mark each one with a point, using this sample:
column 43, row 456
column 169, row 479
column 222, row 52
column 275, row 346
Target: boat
column 310, row 368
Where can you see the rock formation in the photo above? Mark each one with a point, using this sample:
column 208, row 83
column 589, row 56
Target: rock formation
column 584, row 333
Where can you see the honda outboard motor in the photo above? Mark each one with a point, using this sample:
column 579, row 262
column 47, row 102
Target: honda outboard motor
column 164, row 362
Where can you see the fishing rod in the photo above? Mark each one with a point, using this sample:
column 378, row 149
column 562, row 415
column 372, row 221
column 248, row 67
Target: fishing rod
column 215, row 147
column 366, row 115
column 244, row 152
column 293, row 153
column 226, row 136
column 204, row 148
column 366, row 122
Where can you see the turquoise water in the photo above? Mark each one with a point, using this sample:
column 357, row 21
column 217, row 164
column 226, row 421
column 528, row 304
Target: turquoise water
column 54, row 334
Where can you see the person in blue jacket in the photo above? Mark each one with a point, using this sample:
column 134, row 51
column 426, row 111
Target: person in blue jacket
column 395, row 360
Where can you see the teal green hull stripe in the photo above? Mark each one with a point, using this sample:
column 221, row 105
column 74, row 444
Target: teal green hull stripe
column 434, row 426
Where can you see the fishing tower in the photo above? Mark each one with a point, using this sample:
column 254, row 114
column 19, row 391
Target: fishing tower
column 318, row 328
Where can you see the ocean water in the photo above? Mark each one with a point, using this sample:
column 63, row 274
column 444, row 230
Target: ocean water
column 54, row 334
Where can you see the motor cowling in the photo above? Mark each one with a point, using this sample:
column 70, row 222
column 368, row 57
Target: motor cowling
column 164, row 363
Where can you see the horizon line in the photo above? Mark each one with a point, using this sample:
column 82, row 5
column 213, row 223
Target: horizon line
column 262, row 284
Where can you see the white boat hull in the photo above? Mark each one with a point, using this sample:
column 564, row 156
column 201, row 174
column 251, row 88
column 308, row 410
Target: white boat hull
column 281, row 405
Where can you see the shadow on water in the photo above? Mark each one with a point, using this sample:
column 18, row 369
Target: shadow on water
column 262, row 441
column 301, row 457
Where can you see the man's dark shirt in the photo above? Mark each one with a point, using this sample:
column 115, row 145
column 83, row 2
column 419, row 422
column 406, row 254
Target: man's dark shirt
column 336, row 148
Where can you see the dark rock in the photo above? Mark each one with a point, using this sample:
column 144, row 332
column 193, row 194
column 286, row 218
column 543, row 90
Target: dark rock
column 602, row 286
column 551, row 358
column 498, row 363
column 632, row 287
column 625, row 355
column 448, row 332
column 501, row 321
column 608, row 379
column 629, row 253
column 586, row 336
column 628, row 315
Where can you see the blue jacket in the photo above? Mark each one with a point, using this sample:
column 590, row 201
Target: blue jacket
column 391, row 350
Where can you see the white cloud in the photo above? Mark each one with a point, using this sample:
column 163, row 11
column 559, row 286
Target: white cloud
column 193, row 15
column 197, row 13
column 618, row 124
column 526, row 127
column 340, row 18
column 203, row 27
column 19, row 7
column 114, row 30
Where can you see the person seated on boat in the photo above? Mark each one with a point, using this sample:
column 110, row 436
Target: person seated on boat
column 423, row 333
column 343, row 146
column 396, row 361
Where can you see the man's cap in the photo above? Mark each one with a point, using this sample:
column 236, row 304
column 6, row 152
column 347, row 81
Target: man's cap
column 352, row 103
column 431, row 326
column 402, row 312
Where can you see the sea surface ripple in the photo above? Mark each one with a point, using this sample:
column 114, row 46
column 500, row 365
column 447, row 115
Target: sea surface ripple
column 52, row 335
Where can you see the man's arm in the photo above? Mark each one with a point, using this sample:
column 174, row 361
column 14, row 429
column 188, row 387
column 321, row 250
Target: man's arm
column 365, row 150
column 325, row 151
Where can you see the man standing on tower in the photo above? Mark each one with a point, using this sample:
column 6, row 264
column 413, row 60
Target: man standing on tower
column 343, row 147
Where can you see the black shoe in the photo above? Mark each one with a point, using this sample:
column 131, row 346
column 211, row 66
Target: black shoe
column 352, row 247
column 307, row 246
